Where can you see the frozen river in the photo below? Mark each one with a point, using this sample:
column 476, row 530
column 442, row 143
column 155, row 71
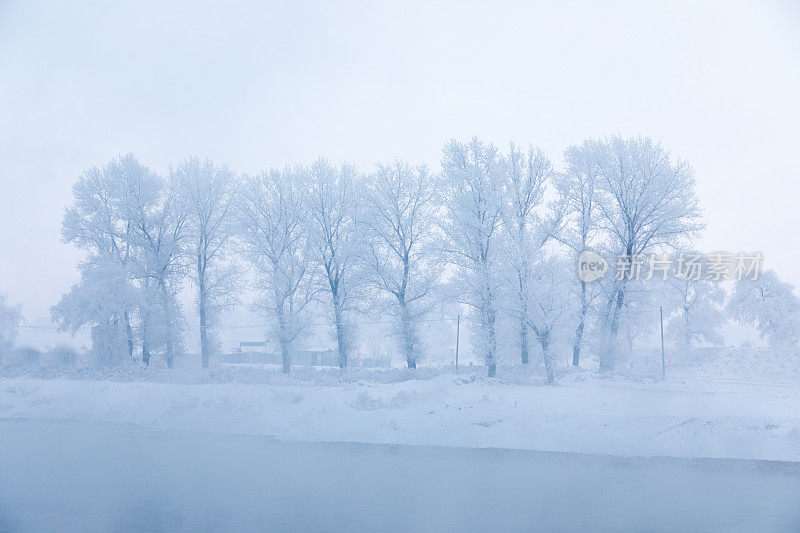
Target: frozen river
column 74, row 476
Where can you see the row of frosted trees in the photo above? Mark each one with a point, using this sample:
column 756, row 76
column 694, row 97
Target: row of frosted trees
column 495, row 231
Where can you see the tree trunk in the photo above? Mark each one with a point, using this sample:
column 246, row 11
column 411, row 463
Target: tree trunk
column 203, row 319
column 523, row 340
column 607, row 362
column 286, row 357
column 548, row 359
column 491, row 356
column 145, row 342
column 169, row 347
column 129, row 333
column 342, row 345
column 687, row 334
column 114, row 351
column 408, row 337
column 340, row 333
column 286, row 349
column 576, row 347
column 168, row 317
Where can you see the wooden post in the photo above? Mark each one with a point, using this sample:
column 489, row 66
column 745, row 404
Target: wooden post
column 663, row 364
column 458, row 331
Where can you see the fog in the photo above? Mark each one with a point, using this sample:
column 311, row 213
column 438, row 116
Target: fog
column 265, row 85
column 399, row 266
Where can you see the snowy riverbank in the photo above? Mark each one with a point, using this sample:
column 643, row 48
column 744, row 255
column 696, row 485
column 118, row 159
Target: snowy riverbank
column 585, row 413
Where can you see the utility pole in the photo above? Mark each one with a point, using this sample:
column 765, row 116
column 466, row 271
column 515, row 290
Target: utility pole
column 663, row 364
column 458, row 331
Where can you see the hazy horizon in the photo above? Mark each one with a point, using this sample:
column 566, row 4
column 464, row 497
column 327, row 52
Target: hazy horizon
column 270, row 341
column 258, row 87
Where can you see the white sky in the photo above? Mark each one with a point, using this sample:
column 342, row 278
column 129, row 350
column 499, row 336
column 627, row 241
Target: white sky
column 255, row 86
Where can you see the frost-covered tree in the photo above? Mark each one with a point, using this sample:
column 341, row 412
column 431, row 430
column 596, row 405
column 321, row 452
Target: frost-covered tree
column 208, row 193
column 549, row 306
column 525, row 176
column 768, row 304
column 99, row 222
column 334, row 197
column 157, row 217
column 646, row 201
column 639, row 316
column 274, row 231
column 472, row 184
column 130, row 224
column 102, row 300
column 698, row 307
column 10, row 320
column 577, row 190
column 399, row 218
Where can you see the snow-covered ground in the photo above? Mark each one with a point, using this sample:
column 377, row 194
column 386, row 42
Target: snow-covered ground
column 243, row 447
column 690, row 415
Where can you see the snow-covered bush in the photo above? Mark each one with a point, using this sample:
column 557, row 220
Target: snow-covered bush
column 770, row 305
column 23, row 358
column 10, row 319
column 62, row 356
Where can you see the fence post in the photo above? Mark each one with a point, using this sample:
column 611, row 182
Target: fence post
column 663, row 364
column 458, row 331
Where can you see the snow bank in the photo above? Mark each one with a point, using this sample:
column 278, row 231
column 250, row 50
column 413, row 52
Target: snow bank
column 687, row 416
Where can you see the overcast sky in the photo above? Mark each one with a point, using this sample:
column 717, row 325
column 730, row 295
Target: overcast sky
column 259, row 86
